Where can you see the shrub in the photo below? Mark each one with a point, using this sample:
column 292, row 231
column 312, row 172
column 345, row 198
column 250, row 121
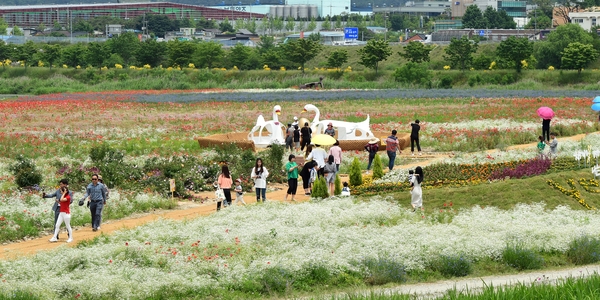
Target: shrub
column 110, row 164
column 277, row 280
column 377, row 167
column 584, row 250
column 528, row 168
column 446, row 82
column 383, row 270
column 453, row 266
column 337, row 185
column 274, row 163
column 355, row 173
column 25, row 172
column 413, row 73
column 320, row 188
column 521, row 258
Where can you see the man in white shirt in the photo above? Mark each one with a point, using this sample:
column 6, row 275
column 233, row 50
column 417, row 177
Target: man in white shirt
column 319, row 155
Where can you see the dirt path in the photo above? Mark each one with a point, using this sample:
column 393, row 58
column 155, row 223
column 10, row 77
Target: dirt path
column 189, row 210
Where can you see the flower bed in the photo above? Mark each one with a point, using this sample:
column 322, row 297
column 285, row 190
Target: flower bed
column 237, row 251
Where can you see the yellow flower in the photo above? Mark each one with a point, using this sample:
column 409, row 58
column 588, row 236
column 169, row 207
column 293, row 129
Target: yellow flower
column 446, row 67
column 235, row 68
column 282, row 68
column 147, row 66
column 40, row 63
column 78, row 67
column 524, row 64
column 170, row 69
column 104, row 68
column 266, row 67
column 65, row 66
column 472, row 69
column 550, row 68
column 118, row 66
column 7, row 62
column 132, row 67
column 299, row 68
column 191, row 66
column 492, row 65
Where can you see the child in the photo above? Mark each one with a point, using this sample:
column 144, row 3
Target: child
column 239, row 192
column 345, row 190
column 553, row 145
column 541, row 145
column 313, row 175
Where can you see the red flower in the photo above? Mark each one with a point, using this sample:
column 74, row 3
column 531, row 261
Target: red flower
column 110, row 261
column 77, row 296
column 126, row 243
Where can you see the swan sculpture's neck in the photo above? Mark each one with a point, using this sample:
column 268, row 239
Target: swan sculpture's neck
column 317, row 113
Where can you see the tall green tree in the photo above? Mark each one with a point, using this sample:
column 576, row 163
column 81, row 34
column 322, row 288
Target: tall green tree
column 548, row 53
column 96, row 54
column 181, row 53
column 312, row 25
column 326, row 24
column 125, row 45
column 225, row 26
column 492, row 19
column 278, row 24
column 271, row 58
column 266, row 43
column 473, row 18
column 537, row 19
column 515, row 50
column 83, row 25
column 578, row 56
column 25, row 53
column 74, row 55
column 301, row 51
column 506, row 21
column 374, row 52
column 416, row 52
column 239, row 24
column 460, row 52
column 290, row 24
column 338, row 22
column 239, row 55
column 209, row 54
column 50, row 54
column 251, row 25
column 17, row 31
column 151, row 53
column 337, row 58
column 4, row 51
column 3, row 27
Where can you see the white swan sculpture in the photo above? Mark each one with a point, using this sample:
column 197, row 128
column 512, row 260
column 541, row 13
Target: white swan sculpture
column 345, row 130
column 274, row 128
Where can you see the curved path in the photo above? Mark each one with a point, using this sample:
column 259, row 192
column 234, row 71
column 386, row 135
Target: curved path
column 188, row 210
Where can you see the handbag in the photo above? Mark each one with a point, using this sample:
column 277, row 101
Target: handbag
column 220, row 194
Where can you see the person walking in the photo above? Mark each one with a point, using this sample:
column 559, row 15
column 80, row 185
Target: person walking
column 295, row 123
column 58, row 195
column 105, row 190
column 319, row 155
column 64, row 216
column 96, row 191
column 336, row 151
column 553, row 145
column 329, row 130
column 291, row 168
column 260, row 174
column 306, row 133
column 414, row 137
column 329, row 172
column 239, row 192
column 289, row 138
column 225, row 182
column 372, row 148
column 392, row 147
column 546, row 129
column 416, row 190
column 305, row 174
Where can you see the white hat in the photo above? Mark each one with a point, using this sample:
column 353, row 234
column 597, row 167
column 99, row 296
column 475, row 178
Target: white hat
column 295, row 118
column 374, row 141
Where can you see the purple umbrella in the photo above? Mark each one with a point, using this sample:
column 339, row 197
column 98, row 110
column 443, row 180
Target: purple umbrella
column 545, row 113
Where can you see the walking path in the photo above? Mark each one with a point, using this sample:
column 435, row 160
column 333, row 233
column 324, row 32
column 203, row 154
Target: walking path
column 189, row 210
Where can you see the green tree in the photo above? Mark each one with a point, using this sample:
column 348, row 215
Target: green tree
column 538, row 20
column 326, row 24
column 515, row 50
column 271, row 58
column 278, row 24
column 251, row 25
column 125, row 45
column 473, row 18
column 50, row 54
column 379, row 20
column 338, row 22
column 239, row 55
column 4, row 51
column 187, row 23
column 225, row 26
column 312, row 25
column 397, row 22
column 56, row 26
column 492, row 19
column 82, row 25
column 17, row 31
column 181, row 53
column 151, row 53
column 460, row 52
column 320, row 188
column 301, row 25
column 548, row 53
column 337, row 183
column 74, row 55
column 209, row 54
column 374, row 52
column 337, row 58
column 3, row 27
column 239, row 24
column 377, row 167
column 506, row 21
column 25, row 53
column 96, row 54
column 290, row 24
column 416, row 52
column 578, row 56
column 301, row 51
column 355, row 173
column 265, row 44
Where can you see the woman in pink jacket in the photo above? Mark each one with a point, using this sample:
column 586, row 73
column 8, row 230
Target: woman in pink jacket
column 336, row 151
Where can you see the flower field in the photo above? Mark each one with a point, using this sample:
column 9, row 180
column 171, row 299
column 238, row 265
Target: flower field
column 281, row 249
column 237, row 250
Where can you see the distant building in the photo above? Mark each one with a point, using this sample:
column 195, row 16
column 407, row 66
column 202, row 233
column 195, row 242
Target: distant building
column 587, row 19
column 424, row 8
column 327, row 37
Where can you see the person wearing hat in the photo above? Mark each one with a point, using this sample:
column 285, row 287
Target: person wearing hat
column 330, row 131
column 239, row 192
column 372, row 147
column 295, row 123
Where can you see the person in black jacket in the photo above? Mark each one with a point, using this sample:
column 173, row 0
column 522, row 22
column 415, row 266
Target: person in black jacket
column 306, row 133
column 414, row 137
column 305, row 174
column 546, row 129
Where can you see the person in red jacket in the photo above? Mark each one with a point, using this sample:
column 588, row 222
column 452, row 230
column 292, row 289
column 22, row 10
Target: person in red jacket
column 65, row 215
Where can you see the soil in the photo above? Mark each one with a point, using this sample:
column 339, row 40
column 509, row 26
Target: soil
column 276, row 192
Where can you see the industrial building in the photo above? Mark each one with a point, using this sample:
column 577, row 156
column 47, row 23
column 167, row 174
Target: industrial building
column 303, row 9
column 34, row 15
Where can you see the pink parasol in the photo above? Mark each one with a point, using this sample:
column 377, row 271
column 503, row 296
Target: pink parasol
column 545, row 112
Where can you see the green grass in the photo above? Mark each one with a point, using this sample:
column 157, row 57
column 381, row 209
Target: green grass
column 505, row 194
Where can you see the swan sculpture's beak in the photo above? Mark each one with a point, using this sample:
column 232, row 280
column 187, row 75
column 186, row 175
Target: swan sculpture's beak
column 304, row 110
column 278, row 112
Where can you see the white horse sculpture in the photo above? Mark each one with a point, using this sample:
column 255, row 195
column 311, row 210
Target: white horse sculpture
column 274, row 128
column 345, row 130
